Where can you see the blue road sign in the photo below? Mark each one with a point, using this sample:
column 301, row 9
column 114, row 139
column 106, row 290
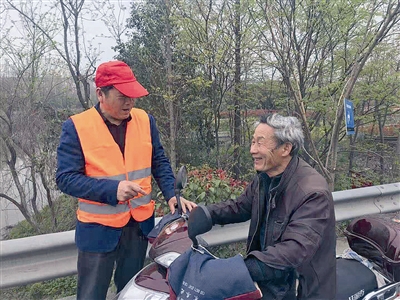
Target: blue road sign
column 349, row 116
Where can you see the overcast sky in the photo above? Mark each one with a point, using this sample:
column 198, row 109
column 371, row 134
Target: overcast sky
column 95, row 30
column 99, row 32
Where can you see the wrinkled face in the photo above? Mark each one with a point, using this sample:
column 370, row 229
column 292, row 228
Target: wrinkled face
column 114, row 105
column 268, row 156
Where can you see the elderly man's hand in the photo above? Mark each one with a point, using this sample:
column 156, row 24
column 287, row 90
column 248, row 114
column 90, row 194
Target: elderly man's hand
column 186, row 204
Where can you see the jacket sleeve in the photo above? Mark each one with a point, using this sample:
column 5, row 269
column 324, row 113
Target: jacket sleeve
column 233, row 210
column 302, row 235
column 70, row 175
column 160, row 165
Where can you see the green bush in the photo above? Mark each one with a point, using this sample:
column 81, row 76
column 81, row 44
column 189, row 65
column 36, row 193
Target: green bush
column 205, row 186
column 22, row 229
column 65, row 207
column 54, row 289
column 51, row 289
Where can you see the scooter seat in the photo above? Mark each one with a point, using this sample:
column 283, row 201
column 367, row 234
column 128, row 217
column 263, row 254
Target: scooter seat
column 353, row 279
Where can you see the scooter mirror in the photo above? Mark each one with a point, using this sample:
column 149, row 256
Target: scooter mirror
column 181, row 178
column 180, row 183
column 199, row 222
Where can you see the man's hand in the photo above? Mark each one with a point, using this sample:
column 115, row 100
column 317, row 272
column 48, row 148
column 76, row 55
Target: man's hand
column 128, row 189
column 186, row 204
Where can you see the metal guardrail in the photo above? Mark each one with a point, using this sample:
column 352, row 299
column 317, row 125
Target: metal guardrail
column 49, row 256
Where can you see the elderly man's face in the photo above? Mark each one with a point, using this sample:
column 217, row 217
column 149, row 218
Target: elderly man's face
column 268, row 156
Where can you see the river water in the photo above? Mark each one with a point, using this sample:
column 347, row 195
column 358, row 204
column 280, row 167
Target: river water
column 9, row 213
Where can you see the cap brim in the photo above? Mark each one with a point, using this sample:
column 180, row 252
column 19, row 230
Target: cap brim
column 131, row 89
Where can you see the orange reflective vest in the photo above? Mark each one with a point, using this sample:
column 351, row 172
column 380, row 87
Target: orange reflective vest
column 104, row 160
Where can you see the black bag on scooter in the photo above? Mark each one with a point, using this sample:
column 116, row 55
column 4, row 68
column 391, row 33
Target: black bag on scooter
column 198, row 275
column 377, row 239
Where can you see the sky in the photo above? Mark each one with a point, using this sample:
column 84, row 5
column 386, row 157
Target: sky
column 99, row 32
column 95, row 30
column 93, row 25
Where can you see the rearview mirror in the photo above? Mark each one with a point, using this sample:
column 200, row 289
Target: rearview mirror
column 181, row 178
column 180, row 183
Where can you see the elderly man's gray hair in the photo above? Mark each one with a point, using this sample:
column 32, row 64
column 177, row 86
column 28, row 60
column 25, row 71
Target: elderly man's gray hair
column 287, row 130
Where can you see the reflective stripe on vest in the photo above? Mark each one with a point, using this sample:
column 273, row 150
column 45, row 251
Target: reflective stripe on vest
column 133, row 175
column 96, row 140
column 103, row 209
column 109, row 209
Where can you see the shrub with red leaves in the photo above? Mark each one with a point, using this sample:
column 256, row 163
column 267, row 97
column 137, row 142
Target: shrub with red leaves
column 206, row 185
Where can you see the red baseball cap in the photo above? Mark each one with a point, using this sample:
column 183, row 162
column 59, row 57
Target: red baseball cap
column 119, row 74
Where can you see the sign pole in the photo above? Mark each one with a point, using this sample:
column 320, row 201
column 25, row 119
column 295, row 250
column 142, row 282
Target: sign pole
column 349, row 116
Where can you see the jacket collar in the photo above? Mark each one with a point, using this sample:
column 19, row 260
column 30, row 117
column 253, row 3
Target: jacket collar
column 278, row 189
column 287, row 175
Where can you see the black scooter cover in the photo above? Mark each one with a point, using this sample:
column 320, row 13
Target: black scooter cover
column 198, row 275
column 353, row 279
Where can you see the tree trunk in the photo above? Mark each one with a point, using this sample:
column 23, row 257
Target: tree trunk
column 237, row 95
column 390, row 20
column 170, row 97
column 396, row 165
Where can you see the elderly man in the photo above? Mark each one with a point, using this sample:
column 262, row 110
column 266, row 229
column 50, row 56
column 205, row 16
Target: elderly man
column 291, row 213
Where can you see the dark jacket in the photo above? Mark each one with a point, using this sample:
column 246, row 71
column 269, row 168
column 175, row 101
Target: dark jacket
column 300, row 234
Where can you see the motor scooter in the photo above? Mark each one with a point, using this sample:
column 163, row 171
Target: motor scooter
column 375, row 241
column 172, row 240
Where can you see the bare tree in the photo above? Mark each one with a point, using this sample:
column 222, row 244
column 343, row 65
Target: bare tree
column 219, row 38
column 112, row 14
column 375, row 31
column 73, row 47
column 237, row 88
column 28, row 84
column 307, row 38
